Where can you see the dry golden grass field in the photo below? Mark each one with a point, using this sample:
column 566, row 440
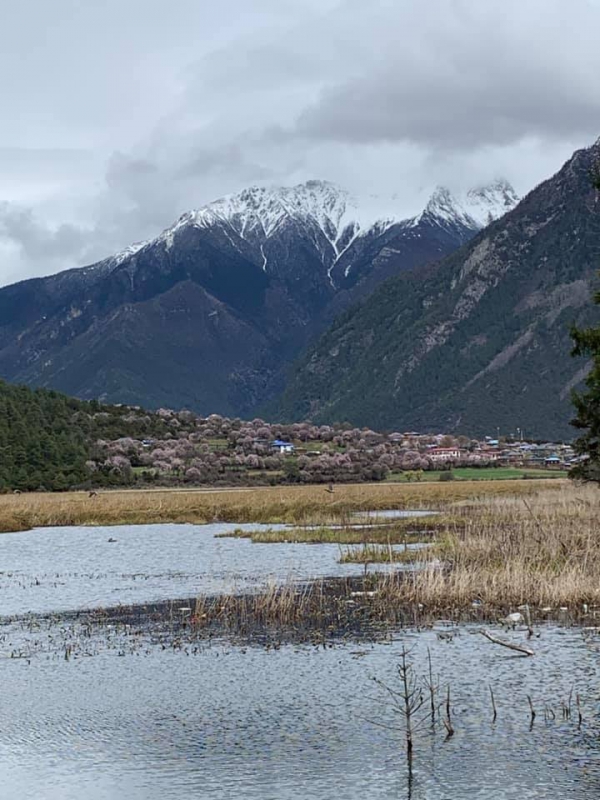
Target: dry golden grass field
column 301, row 505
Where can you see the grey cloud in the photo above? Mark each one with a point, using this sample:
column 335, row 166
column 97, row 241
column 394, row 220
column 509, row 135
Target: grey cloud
column 25, row 162
column 480, row 78
column 106, row 145
column 121, row 166
column 380, row 109
column 229, row 160
column 40, row 249
column 18, row 225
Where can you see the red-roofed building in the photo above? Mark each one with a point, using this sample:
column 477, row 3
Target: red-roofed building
column 444, row 453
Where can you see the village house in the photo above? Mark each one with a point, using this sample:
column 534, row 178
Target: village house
column 489, row 453
column 282, row 447
column 484, row 455
column 443, row 454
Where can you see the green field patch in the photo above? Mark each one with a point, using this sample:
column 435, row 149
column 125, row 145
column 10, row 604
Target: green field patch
column 477, row 474
column 505, row 473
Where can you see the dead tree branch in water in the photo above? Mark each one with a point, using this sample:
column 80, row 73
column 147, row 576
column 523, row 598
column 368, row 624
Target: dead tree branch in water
column 517, row 647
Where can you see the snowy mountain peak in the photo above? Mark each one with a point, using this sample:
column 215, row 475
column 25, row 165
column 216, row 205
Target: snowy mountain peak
column 329, row 215
column 487, row 203
column 442, row 204
column 264, row 210
column 258, row 213
column 475, row 208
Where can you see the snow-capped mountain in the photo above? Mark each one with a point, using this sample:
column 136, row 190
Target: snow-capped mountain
column 333, row 221
column 210, row 312
column 321, row 212
column 475, row 209
column 258, row 213
column 481, row 338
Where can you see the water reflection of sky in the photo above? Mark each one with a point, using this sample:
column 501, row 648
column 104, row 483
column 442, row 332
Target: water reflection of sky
column 53, row 569
column 296, row 724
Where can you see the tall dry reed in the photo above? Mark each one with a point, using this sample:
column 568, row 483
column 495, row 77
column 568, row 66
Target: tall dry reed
column 298, row 505
column 542, row 550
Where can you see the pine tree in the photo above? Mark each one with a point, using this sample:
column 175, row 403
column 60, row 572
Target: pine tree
column 587, row 403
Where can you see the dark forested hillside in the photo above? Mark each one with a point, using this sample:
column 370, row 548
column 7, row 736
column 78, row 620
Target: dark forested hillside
column 46, row 438
column 478, row 343
column 39, row 445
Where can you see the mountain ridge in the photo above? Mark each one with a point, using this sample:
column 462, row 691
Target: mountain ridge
column 481, row 339
column 210, row 313
column 255, row 214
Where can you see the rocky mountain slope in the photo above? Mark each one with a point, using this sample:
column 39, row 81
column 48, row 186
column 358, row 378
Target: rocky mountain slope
column 210, row 313
column 479, row 342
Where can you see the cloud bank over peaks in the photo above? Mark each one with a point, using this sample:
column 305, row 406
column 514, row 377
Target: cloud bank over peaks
column 384, row 98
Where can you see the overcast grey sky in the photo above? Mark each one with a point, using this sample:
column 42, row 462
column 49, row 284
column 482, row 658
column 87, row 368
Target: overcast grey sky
column 118, row 115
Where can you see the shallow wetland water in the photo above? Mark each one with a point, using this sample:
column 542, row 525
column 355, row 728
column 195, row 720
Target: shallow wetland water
column 60, row 569
column 145, row 718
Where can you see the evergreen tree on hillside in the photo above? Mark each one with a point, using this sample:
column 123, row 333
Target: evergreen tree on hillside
column 587, row 403
column 46, row 438
column 38, row 441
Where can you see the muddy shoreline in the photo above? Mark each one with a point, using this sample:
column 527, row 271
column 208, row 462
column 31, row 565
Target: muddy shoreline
column 327, row 613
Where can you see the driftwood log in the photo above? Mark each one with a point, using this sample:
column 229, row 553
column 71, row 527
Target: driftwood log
column 519, row 648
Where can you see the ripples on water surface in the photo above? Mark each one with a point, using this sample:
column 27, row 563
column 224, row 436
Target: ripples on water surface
column 289, row 724
column 293, row 723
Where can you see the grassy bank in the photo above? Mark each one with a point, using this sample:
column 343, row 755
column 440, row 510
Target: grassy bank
column 493, row 552
column 405, row 531
column 542, row 550
column 382, row 554
column 298, row 505
column 539, row 552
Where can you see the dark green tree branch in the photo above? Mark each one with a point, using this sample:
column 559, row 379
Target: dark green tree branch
column 587, row 403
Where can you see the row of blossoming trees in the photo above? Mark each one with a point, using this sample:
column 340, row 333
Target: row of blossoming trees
column 189, row 449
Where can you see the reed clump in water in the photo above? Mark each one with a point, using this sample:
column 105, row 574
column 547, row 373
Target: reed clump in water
column 404, row 531
column 297, row 505
column 317, row 611
column 542, row 550
column 380, row 554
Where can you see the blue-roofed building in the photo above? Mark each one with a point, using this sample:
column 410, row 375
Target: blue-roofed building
column 282, row 447
column 552, row 461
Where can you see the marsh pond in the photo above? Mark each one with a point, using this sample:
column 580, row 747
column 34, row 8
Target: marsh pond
column 110, row 691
